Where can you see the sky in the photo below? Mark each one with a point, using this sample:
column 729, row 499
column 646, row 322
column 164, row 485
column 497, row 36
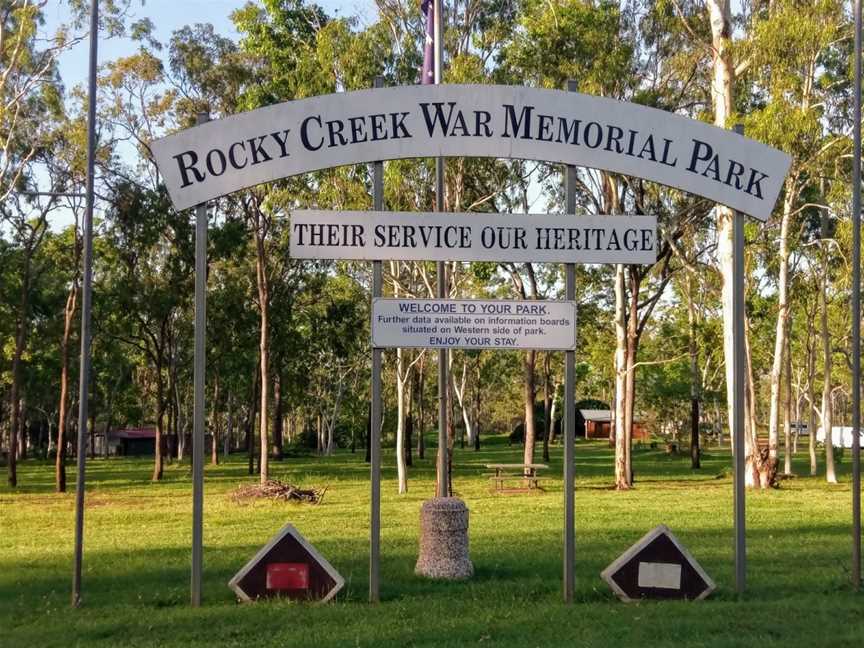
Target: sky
column 168, row 16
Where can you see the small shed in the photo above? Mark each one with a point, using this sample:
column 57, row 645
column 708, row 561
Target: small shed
column 599, row 425
column 132, row 441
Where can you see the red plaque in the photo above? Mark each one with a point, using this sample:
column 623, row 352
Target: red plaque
column 287, row 576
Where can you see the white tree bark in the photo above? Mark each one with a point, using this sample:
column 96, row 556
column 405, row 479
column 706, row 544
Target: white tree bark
column 459, row 390
column 330, row 423
column 622, row 477
column 402, row 376
column 827, row 406
column 780, row 327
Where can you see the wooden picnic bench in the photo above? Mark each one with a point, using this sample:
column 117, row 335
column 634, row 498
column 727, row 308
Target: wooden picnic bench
column 524, row 473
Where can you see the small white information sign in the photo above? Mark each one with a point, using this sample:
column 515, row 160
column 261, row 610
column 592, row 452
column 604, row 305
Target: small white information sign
column 431, row 236
column 473, row 324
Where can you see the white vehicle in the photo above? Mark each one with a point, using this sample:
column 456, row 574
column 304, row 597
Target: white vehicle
column 840, row 436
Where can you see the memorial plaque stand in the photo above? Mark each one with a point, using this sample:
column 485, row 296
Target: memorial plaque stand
column 287, row 566
column 444, row 540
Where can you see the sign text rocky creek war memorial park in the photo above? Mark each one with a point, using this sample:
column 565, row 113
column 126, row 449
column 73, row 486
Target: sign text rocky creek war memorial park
column 278, row 141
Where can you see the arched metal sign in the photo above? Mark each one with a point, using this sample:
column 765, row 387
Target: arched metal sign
column 220, row 157
column 510, row 122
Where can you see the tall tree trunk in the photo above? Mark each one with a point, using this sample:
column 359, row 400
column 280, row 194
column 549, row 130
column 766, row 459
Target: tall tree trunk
column 721, row 95
column 109, row 414
column 368, row 457
column 421, row 410
column 811, row 398
column 178, row 419
column 827, row 406
column 330, row 441
column 529, row 393
column 214, row 425
column 461, row 397
column 264, row 344
column 401, row 379
column 250, row 420
column 60, row 459
column 695, row 376
column 547, row 403
column 553, row 411
column 787, row 412
column 92, row 433
column 160, row 422
column 630, row 385
column 409, row 422
column 622, row 475
column 229, row 429
column 781, row 326
column 15, row 395
column 278, row 414
column 477, row 403
column 451, row 431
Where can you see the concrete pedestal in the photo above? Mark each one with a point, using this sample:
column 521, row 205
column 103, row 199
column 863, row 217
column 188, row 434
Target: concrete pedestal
column 444, row 540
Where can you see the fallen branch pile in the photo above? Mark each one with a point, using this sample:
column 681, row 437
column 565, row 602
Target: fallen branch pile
column 277, row 490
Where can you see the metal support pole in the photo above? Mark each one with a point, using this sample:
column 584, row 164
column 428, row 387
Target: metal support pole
column 739, row 370
column 375, row 417
column 443, row 359
column 856, row 312
column 200, row 378
column 569, row 403
column 86, row 303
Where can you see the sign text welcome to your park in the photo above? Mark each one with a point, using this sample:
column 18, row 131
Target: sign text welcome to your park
column 473, row 324
column 219, row 157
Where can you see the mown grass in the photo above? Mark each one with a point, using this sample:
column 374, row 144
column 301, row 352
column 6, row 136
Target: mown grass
column 136, row 578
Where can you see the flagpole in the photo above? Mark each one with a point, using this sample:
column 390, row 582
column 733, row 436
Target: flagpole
column 856, row 310
column 443, row 378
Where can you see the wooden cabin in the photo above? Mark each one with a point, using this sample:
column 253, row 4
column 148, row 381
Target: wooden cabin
column 598, row 425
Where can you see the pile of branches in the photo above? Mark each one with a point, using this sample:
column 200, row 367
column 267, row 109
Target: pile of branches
column 277, row 490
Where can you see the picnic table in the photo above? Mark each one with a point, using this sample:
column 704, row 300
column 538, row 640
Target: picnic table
column 521, row 472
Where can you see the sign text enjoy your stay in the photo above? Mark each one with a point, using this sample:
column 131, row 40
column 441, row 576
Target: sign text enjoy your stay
column 431, row 236
column 223, row 156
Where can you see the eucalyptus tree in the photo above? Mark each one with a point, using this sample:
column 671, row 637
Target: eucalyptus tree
column 145, row 286
column 790, row 88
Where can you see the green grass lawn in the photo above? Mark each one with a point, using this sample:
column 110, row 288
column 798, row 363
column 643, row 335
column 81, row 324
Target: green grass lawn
column 136, row 578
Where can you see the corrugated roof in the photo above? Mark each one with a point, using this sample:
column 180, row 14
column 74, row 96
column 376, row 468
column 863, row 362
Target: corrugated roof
column 596, row 414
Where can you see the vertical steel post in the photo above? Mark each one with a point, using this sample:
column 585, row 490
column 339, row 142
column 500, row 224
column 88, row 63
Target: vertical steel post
column 443, row 359
column 375, row 418
column 199, row 379
column 856, row 311
column 86, row 304
column 569, row 402
column 739, row 371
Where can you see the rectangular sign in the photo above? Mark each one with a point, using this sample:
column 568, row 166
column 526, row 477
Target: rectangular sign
column 437, row 236
column 473, row 324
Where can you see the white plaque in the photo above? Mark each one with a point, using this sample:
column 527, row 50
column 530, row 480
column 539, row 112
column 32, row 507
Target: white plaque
column 431, row 236
column 492, row 121
column 473, row 324
column 663, row 575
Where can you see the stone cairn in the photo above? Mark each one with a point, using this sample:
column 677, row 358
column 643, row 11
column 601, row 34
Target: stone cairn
column 444, row 540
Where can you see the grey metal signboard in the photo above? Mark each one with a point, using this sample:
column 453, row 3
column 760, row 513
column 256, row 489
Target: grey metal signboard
column 437, row 236
column 473, row 324
column 217, row 158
